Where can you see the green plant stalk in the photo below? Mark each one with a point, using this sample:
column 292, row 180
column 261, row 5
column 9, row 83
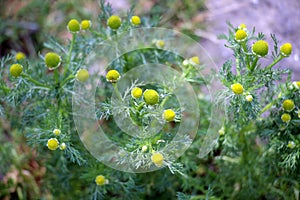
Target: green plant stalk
column 117, row 91
column 268, row 106
column 66, row 80
column 247, row 56
column 27, row 77
column 254, row 63
column 58, row 95
column 275, row 62
column 237, row 61
column 70, row 53
column 98, row 34
column 164, row 101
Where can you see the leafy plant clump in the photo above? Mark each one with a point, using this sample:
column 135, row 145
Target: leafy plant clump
column 256, row 154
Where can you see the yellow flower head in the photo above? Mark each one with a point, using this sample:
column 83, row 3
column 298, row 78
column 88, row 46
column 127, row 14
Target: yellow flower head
column 52, row 60
column 222, row 131
column 240, row 35
column 237, row 88
column 86, row 24
column 52, row 144
column 286, row 49
column 291, row 144
column 135, row 20
column 242, row 26
column 114, row 22
column 151, row 97
column 288, row 105
column 73, row 26
column 157, row 159
column 194, row 60
column 82, row 75
column 144, row 148
column 296, row 84
column 159, row 43
column 101, row 180
column 20, row 56
column 112, row 76
column 169, row 115
column 136, row 92
column 286, row 117
column 260, row 48
column 249, row 98
column 16, row 70
column 63, row 146
column 56, row 132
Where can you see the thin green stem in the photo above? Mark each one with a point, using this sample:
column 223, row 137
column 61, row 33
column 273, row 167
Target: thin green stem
column 27, row 77
column 275, row 62
column 164, row 101
column 254, row 63
column 185, row 73
column 66, row 80
column 98, row 34
column 268, row 106
column 70, row 53
column 117, row 91
column 58, row 96
column 238, row 73
column 247, row 56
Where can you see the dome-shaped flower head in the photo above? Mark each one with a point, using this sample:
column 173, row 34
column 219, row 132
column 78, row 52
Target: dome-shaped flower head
column 242, row 26
column 194, row 60
column 82, row 75
column 114, row 22
column 159, row 43
column 144, row 148
column 73, row 26
column 52, row 60
column 157, row 159
column 20, row 56
column 288, row 105
column 260, row 48
column 86, row 24
column 249, row 98
column 16, row 70
column 56, row 132
column 136, row 92
column 52, row 144
column 296, row 84
column 240, row 35
column 101, row 180
column 135, row 20
column 169, row 115
column 237, row 88
column 151, row 97
column 286, row 117
column 62, row 146
column 291, row 144
column 112, row 76
column 286, row 49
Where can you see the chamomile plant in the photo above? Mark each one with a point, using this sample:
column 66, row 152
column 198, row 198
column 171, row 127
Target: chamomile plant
column 42, row 89
column 260, row 129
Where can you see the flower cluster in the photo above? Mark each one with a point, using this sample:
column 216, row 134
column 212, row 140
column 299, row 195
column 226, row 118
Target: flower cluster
column 74, row 26
column 53, row 143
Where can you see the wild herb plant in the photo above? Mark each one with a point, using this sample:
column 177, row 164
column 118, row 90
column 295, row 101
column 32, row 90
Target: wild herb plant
column 256, row 155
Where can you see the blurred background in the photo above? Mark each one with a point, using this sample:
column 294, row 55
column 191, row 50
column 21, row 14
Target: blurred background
column 27, row 24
